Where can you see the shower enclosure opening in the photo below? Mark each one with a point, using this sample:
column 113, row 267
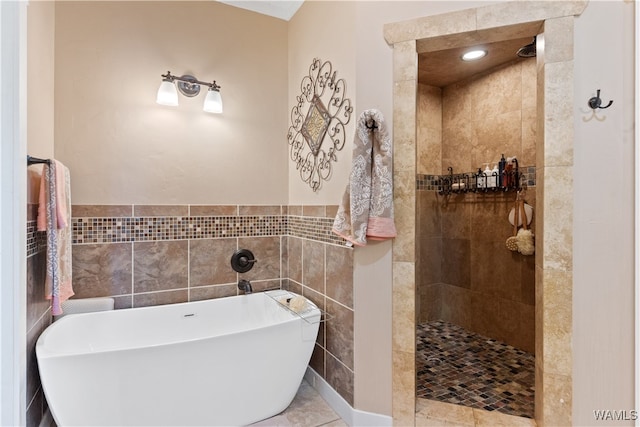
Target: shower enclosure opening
column 475, row 298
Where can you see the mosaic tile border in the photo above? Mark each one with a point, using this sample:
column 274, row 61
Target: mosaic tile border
column 313, row 228
column 36, row 240
column 92, row 230
column 145, row 229
column 432, row 182
column 118, row 229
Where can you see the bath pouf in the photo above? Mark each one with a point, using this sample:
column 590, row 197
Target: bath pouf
column 525, row 243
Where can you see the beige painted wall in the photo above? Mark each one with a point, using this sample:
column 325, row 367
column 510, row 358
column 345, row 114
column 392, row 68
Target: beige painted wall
column 40, row 77
column 122, row 147
column 323, row 30
column 603, row 327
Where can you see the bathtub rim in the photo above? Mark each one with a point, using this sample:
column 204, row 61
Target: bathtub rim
column 42, row 352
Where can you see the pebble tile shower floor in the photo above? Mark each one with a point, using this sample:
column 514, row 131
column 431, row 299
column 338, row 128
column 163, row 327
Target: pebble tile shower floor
column 464, row 368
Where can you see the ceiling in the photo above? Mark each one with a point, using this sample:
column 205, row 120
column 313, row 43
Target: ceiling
column 443, row 67
column 283, row 9
column 438, row 65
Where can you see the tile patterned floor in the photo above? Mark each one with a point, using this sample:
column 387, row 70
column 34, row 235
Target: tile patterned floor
column 460, row 367
column 308, row 409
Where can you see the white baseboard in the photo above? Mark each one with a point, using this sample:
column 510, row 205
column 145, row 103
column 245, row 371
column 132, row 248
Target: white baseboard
column 351, row 416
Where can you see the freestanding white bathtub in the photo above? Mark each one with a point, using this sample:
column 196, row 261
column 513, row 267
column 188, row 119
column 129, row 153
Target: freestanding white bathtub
column 230, row 361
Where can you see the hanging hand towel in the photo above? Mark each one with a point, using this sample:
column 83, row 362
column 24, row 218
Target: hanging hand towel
column 54, row 212
column 366, row 210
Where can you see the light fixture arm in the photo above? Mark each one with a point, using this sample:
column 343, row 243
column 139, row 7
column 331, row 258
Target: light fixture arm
column 171, row 78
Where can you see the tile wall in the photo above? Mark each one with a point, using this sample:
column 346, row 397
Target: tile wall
column 38, row 315
column 465, row 274
column 147, row 255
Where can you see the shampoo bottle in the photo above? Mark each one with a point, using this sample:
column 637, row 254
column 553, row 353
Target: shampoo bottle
column 501, row 166
column 480, row 181
column 494, row 177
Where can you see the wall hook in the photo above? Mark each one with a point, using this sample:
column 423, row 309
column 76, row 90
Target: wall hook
column 596, row 102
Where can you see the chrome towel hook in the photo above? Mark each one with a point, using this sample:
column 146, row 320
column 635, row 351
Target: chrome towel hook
column 596, row 102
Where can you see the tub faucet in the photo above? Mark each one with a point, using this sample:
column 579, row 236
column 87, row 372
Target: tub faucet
column 245, row 286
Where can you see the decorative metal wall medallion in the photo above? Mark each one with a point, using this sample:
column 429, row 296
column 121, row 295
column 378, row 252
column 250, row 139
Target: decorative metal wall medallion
column 321, row 113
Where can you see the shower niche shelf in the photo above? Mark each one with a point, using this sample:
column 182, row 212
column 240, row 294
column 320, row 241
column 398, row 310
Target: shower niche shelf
column 480, row 182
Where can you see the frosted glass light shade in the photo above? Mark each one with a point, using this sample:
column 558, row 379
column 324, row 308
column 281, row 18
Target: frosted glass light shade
column 213, row 102
column 167, row 94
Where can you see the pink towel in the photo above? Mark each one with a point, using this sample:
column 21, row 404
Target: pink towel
column 54, row 216
column 366, row 211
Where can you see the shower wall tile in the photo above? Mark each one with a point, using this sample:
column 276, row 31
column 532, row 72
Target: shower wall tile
column 33, row 375
column 320, row 301
column 430, row 261
column 456, row 259
column 528, row 136
column 314, row 210
column 559, row 108
column 38, row 316
column 529, row 85
column 429, row 215
column 294, row 245
column 339, row 377
column 430, row 302
column 209, row 261
column 294, row 210
column 213, row 210
column 120, row 302
column 37, row 304
column 267, row 253
column 557, row 235
column 495, row 271
column 429, row 130
column 339, row 274
column 404, row 388
column 102, row 270
column 212, row 292
column 558, row 37
column 404, row 315
column 331, row 211
column 160, row 266
column 455, row 212
column 317, row 360
column 260, row 210
column 405, row 217
column 160, row 298
column 404, row 115
column 457, row 305
column 313, row 265
column 405, row 58
column 497, row 91
column 339, row 332
column 160, row 210
column 499, row 134
column 101, row 210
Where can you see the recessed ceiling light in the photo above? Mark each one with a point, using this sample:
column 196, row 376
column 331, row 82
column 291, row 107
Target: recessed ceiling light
column 472, row 55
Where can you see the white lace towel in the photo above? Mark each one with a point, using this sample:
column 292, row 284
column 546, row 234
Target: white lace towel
column 366, row 210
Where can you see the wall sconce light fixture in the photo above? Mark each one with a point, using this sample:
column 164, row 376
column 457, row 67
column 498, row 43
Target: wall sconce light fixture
column 188, row 86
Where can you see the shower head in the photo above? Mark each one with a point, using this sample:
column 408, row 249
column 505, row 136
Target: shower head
column 528, row 51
